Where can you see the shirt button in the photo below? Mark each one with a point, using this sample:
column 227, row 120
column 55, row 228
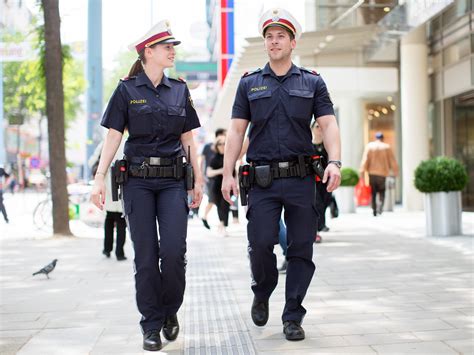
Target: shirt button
column 157, row 95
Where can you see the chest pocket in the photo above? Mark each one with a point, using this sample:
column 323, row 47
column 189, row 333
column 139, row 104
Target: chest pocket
column 260, row 105
column 176, row 119
column 301, row 103
column 140, row 122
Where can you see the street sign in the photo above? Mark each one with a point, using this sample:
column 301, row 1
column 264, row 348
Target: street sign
column 197, row 71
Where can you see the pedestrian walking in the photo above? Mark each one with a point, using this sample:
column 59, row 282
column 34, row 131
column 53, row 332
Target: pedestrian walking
column 159, row 114
column 208, row 152
column 3, row 182
column 278, row 102
column 214, row 173
column 323, row 196
column 379, row 162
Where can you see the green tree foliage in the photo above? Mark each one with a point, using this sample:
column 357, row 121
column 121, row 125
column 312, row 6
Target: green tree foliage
column 24, row 82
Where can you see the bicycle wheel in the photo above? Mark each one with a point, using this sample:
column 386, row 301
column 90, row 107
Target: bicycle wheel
column 43, row 215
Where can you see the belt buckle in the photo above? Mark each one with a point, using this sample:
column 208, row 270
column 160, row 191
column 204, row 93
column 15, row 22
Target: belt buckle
column 155, row 161
column 283, row 165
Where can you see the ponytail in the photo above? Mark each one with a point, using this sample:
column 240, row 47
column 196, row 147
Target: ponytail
column 136, row 68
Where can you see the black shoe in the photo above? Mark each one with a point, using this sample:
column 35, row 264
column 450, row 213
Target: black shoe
column 121, row 257
column 259, row 312
column 325, row 229
column 293, row 330
column 152, row 340
column 171, row 327
column 374, row 213
column 106, row 253
column 204, row 221
column 282, row 269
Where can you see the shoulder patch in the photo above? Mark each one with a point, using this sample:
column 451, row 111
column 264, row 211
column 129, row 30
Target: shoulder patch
column 314, row 72
column 247, row 73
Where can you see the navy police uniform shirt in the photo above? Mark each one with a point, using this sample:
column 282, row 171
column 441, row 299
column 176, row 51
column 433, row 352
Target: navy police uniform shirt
column 154, row 116
column 280, row 111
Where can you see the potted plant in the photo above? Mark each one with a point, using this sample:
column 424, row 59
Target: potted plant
column 441, row 179
column 345, row 192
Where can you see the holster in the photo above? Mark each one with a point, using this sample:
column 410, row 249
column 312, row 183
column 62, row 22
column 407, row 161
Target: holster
column 318, row 167
column 263, row 176
column 118, row 176
column 245, row 180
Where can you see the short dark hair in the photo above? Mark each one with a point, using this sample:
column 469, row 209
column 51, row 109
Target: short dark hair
column 220, row 132
column 292, row 35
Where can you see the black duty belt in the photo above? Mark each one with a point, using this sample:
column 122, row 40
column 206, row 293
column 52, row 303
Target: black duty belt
column 153, row 171
column 151, row 160
column 286, row 169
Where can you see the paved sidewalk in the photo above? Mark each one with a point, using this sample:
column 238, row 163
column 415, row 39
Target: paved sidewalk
column 381, row 286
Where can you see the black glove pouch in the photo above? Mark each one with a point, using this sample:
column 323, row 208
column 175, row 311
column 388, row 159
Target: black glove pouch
column 263, row 176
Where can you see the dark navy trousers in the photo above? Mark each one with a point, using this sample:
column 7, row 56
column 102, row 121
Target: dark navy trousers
column 160, row 263
column 297, row 197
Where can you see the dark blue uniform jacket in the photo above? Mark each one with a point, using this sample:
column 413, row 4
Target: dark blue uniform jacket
column 280, row 111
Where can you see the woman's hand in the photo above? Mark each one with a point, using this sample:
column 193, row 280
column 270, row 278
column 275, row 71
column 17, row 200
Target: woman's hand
column 98, row 192
column 196, row 195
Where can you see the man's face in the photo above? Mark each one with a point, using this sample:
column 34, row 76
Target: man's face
column 278, row 43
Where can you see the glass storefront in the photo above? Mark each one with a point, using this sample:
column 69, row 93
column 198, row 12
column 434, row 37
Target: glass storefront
column 451, row 110
column 463, row 107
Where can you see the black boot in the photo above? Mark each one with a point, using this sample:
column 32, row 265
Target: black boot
column 171, row 327
column 259, row 312
column 293, row 330
column 152, row 340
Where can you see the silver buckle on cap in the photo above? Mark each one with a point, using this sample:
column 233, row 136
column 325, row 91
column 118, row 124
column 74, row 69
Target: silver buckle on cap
column 284, row 164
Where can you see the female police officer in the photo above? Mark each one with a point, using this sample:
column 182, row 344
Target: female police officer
column 159, row 115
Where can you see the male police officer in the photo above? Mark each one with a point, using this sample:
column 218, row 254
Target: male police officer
column 279, row 102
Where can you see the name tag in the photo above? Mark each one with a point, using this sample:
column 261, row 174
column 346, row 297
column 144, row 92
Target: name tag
column 258, row 88
column 142, row 101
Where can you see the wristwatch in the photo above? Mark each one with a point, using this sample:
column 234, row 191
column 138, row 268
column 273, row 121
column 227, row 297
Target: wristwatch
column 337, row 163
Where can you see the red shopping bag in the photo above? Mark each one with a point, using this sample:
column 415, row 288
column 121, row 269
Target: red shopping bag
column 363, row 193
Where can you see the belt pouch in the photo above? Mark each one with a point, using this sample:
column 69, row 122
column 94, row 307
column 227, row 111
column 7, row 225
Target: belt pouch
column 263, row 176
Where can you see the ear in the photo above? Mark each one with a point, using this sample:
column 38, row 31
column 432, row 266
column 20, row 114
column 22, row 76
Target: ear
column 293, row 43
column 148, row 52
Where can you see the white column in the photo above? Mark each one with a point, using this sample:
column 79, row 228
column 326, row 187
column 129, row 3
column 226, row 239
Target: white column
column 414, row 112
column 349, row 116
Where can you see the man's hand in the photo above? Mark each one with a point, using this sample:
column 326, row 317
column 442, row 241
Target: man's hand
column 332, row 175
column 229, row 185
column 196, row 195
column 98, row 192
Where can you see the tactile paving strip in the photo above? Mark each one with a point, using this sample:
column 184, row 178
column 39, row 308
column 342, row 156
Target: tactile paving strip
column 213, row 324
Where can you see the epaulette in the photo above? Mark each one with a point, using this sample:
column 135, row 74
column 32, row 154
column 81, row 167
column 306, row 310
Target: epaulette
column 126, row 78
column 180, row 79
column 314, row 72
column 247, row 73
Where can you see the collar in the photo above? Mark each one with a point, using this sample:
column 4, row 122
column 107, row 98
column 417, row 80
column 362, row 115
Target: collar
column 143, row 79
column 293, row 70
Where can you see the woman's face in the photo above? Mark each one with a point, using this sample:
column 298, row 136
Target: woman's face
column 161, row 55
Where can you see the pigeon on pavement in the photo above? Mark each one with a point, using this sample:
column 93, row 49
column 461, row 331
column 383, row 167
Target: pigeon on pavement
column 47, row 269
